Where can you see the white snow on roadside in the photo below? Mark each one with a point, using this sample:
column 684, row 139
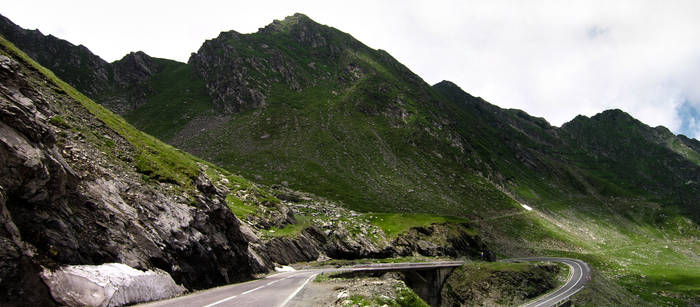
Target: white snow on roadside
column 284, row 268
column 528, row 208
column 110, row 284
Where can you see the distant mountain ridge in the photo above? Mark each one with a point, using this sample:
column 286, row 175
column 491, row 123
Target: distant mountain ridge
column 306, row 106
column 287, row 102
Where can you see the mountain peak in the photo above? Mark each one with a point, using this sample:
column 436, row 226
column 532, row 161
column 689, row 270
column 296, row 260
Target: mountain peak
column 288, row 23
column 453, row 91
column 446, row 83
column 614, row 114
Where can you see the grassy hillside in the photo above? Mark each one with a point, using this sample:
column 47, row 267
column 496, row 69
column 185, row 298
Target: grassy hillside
column 176, row 97
column 307, row 106
column 338, row 119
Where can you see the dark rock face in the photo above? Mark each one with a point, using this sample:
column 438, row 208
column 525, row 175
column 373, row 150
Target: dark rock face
column 130, row 82
column 484, row 285
column 241, row 69
column 65, row 200
column 121, row 86
column 75, row 64
column 443, row 240
column 434, row 240
column 230, row 76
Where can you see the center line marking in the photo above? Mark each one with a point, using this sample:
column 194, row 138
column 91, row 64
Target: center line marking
column 244, row 293
column 221, row 301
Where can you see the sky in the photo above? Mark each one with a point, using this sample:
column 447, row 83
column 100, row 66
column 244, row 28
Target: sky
column 553, row 59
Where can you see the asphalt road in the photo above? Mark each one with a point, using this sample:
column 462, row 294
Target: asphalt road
column 277, row 289
column 579, row 276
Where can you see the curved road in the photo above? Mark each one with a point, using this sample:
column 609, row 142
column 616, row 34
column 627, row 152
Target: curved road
column 279, row 289
column 579, row 277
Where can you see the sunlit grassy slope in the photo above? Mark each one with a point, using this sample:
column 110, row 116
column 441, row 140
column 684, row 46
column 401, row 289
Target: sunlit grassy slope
column 362, row 129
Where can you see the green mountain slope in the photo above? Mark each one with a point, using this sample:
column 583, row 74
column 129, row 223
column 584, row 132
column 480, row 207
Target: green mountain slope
column 306, row 103
column 307, row 106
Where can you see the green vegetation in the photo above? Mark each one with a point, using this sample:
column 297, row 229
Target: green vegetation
column 59, row 121
column 394, row 224
column 240, row 208
column 177, row 96
column 353, row 125
column 154, row 159
column 406, row 298
column 501, row 283
column 289, row 230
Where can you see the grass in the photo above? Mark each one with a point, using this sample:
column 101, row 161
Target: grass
column 502, row 283
column 59, row 121
column 403, row 296
column 394, row 224
column 177, row 96
column 635, row 255
column 239, row 207
column 289, row 230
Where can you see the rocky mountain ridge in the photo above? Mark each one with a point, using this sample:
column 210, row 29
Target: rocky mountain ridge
column 121, row 85
column 307, row 106
column 70, row 196
column 74, row 191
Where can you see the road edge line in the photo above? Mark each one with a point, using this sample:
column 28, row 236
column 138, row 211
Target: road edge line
column 290, row 297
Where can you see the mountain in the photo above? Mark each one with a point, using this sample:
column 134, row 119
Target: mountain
column 122, row 85
column 305, row 106
column 81, row 186
column 610, row 154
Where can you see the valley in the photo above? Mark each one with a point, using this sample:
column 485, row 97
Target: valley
column 389, row 166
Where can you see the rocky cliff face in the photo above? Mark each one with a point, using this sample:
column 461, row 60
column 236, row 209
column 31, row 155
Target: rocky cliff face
column 241, row 70
column 498, row 284
column 331, row 231
column 74, row 191
column 121, row 86
column 75, row 64
column 69, row 194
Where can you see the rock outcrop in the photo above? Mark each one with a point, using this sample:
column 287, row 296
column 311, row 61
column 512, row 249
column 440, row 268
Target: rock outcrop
column 121, row 86
column 447, row 240
column 339, row 233
column 110, row 284
column 73, row 190
column 71, row 193
column 75, row 64
column 498, row 284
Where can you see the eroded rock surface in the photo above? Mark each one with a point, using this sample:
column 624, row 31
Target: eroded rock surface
column 70, row 193
column 111, row 284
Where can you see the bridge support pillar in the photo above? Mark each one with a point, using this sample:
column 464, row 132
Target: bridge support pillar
column 428, row 283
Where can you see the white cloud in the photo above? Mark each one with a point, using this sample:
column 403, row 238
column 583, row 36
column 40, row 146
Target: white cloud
column 554, row 59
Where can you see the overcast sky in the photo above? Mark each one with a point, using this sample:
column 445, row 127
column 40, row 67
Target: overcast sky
column 553, row 59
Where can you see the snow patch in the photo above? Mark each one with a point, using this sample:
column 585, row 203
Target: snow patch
column 528, row 208
column 110, row 284
column 285, row 268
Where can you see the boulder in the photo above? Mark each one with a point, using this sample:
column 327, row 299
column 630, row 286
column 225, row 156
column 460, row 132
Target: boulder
column 110, row 284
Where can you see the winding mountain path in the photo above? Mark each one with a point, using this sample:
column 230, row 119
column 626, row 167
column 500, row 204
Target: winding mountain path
column 579, row 277
column 279, row 289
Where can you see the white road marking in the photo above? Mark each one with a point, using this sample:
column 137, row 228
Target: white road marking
column 221, row 301
column 297, row 291
column 244, row 293
column 565, row 292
